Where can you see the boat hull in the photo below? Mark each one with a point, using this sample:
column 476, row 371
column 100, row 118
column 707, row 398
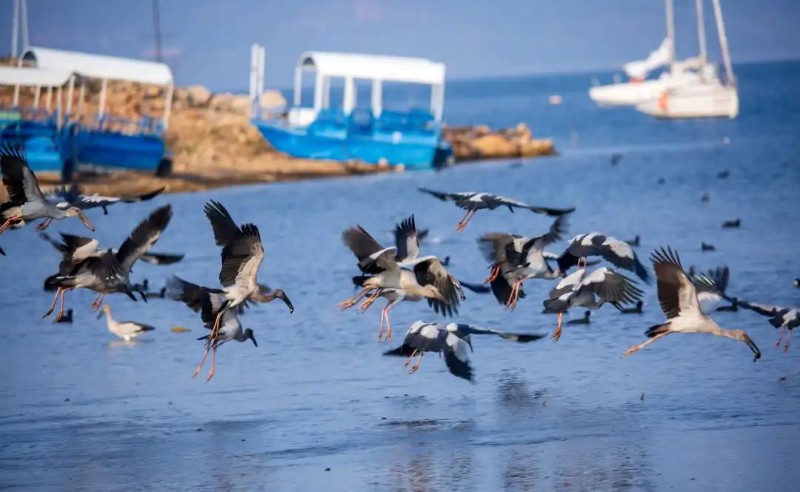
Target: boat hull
column 115, row 150
column 627, row 94
column 423, row 154
column 711, row 101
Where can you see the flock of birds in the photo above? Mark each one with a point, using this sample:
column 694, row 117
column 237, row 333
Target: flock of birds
column 396, row 273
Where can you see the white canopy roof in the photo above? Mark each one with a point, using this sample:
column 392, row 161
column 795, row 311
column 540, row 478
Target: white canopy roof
column 100, row 66
column 373, row 67
column 33, row 77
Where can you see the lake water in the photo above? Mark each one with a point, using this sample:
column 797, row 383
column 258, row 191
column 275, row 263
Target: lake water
column 317, row 407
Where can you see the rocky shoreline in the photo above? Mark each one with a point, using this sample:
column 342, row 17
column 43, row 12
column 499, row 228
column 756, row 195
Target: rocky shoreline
column 213, row 143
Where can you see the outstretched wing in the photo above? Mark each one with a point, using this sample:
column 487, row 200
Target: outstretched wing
column 85, row 202
column 516, row 337
column 143, row 237
column 612, row 286
column 372, row 257
column 619, row 253
column 406, row 240
column 430, row 271
column 20, row 182
column 676, row 293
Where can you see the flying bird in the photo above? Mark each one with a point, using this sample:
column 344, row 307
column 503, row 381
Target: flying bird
column 619, row 253
column 25, row 199
column 210, row 303
column 472, row 202
column 242, row 255
column 450, row 340
column 73, row 197
column 779, row 317
column 517, row 258
column 418, row 278
column 677, row 296
column 106, row 272
column 590, row 291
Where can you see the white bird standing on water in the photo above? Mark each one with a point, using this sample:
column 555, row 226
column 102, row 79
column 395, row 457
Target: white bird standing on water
column 127, row 330
column 678, row 299
column 25, row 199
column 472, row 202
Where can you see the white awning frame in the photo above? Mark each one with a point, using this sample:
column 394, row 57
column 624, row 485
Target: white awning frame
column 376, row 68
column 104, row 68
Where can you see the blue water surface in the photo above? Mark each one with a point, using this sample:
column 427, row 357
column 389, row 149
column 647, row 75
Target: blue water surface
column 317, row 407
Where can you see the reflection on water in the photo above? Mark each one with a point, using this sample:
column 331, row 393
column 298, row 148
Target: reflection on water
column 318, row 407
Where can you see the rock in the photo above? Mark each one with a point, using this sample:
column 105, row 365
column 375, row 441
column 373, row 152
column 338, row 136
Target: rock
column 272, row 99
column 231, row 103
column 494, row 146
column 198, row 95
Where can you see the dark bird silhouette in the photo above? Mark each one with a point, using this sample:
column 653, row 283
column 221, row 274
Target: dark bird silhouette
column 633, row 310
column 732, row 224
column 707, row 247
column 634, row 241
column 723, row 174
column 67, row 318
column 581, row 321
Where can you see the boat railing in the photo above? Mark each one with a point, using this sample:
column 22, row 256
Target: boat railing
column 138, row 126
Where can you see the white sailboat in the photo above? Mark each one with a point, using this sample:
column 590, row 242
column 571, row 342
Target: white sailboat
column 639, row 89
column 711, row 98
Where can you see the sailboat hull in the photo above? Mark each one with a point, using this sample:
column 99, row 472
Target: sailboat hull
column 627, row 94
column 700, row 101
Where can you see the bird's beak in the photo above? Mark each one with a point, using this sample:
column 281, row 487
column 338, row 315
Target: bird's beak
column 130, row 294
column 86, row 221
column 750, row 343
column 285, row 299
column 253, row 338
column 144, row 296
column 101, row 313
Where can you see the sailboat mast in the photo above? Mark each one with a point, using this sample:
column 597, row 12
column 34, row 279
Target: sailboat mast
column 671, row 35
column 701, row 31
column 723, row 42
column 15, row 29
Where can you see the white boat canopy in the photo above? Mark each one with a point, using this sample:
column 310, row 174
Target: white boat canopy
column 105, row 68
column 33, row 77
column 100, row 66
column 376, row 68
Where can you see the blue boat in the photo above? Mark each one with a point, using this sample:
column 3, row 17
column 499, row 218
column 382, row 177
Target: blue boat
column 411, row 138
column 105, row 140
column 38, row 129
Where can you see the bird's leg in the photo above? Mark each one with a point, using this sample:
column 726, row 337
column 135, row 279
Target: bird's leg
column 557, row 333
column 98, row 301
column 642, row 345
column 370, row 300
column 202, row 361
column 380, row 331
column 514, row 296
column 348, row 303
column 8, row 222
column 52, row 306
column 462, row 224
column 788, row 342
column 493, row 274
column 215, row 330
column 61, row 311
column 780, row 337
column 388, row 324
column 44, row 224
column 213, row 363
column 415, row 367
column 408, row 361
